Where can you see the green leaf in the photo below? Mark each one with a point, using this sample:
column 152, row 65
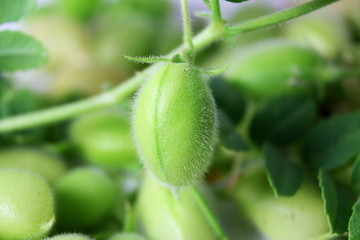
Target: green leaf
column 19, row 51
column 13, row 10
column 228, row 135
column 228, row 98
column 356, row 172
column 333, row 142
column 354, row 225
column 337, row 203
column 283, row 120
column 16, row 102
column 285, row 177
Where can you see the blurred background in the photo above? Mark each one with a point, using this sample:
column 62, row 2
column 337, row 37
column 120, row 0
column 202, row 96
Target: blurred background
column 87, row 40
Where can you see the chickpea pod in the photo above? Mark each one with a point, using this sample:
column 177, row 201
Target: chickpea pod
column 174, row 123
column 300, row 217
column 26, row 205
column 176, row 217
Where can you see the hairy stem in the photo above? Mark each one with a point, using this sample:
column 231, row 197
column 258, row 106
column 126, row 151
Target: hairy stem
column 123, row 91
column 187, row 28
column 216, row 12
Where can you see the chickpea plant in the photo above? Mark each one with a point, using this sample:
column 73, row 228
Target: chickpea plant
column 273, row 136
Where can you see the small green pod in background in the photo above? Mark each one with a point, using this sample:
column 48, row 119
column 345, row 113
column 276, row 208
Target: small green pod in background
column 69, row 236
column 184, row 216
column 328, row 35
column 174, row 123
column 84, row 197
column 104, row 138
column 26, row 205
column 300, row 217
column 43, row 163
column 276, row 67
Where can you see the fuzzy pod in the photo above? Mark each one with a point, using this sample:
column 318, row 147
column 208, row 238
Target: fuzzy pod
column 104, row 139
column 36, row 160
column 277, row 67
column 299, row 217
column 174, row 124
column 164, row 215
column 85, row 197
column 26, row 205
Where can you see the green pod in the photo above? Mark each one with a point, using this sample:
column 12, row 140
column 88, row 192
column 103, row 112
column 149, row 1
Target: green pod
column 299, row 217
column 41, row 162
column 84, row 198
column 275, row 67
column 174, row 124
column 26, row 205
column 327, row 35
column 70, row 236
column 104, row 138
column 183, row 216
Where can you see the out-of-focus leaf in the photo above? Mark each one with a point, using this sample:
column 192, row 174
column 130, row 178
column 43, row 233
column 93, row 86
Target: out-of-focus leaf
column 19, row 51
column 354, row 225
column 285, row 177
column 13, row 10
column 283, row 120
column 79, row 9
column 333, row 142
column 228, row 98
column 14, row 102
column 337, row 203
column 228, row 135
column 356, row 172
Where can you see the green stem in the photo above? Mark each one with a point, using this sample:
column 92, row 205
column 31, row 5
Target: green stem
column 202, row 40
column 54, row 114
column 187, row 28
column 278, row 17
column 208, row 214
column 130, row 219
column 216, row 12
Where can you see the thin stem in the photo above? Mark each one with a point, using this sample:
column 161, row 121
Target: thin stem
column 208, row 214
column 50, row 115
column 216, row 12
column 187, row 27
column 278, row 17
